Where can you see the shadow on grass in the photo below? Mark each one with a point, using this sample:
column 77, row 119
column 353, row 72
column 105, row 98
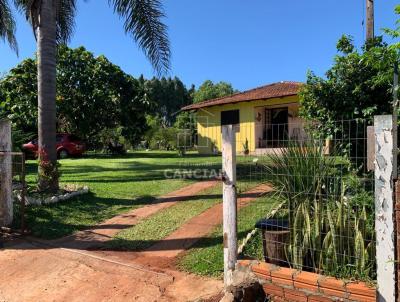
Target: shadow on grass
column 150, row 154
column 119, row 244
column 64, row 218
column 134, row 171
column 125, row 245
column 151, row 172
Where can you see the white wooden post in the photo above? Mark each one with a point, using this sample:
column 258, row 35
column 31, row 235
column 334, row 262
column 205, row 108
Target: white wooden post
column 6, row 202
column 384, row 204
column 229, row 201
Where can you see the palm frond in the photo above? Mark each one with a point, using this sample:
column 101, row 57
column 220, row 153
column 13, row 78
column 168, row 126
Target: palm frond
column 23, row 5
column 143, row 22
column 30, row 9
column 65, row 16
column 66, row 12
column 7, row 25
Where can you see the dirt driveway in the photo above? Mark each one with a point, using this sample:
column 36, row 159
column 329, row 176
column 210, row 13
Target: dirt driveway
column 75, row 268
column 33, row 272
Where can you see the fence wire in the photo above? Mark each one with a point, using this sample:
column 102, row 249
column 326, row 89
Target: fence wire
column 307, row 190
column 16, row 161
column 321, row 214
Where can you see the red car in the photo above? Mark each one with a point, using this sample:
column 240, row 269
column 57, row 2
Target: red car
column 66, row 144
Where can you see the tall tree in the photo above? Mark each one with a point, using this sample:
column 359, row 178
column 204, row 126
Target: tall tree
column 53, row 22
column 167, row 96
column 209, row 90
column 85, row 84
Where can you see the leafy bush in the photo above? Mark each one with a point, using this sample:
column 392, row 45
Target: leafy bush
column 358, row 85
column 167, row 138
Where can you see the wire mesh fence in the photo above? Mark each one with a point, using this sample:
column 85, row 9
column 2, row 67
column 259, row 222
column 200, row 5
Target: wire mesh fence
column 322, row 194
column 316, row 212
column 15, row 163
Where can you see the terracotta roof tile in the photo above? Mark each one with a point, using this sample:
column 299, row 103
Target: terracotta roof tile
column 275, row 90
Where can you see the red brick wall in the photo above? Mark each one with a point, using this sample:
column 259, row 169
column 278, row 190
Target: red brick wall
column 285, row 284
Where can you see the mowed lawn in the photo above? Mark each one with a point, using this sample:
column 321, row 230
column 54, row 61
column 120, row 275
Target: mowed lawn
column 158, row 226
column 207, row 256
column 117, row 184
column 166, row 221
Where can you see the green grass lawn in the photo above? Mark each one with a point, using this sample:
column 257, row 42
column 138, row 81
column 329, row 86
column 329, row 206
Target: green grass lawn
column 117, row 184
column 206, row 257
column 164, row 222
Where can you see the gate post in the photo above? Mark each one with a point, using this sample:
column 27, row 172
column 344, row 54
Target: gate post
column 385, row 171
column 397, row 224
column 229, row 201
column 6, row 202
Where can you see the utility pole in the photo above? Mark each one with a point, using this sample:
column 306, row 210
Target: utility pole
column 370, row 19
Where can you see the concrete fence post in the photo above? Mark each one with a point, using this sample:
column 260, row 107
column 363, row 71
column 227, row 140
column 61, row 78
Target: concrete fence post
column 229, row 201
column 6, row 202
column 397, row 224
column 385, row 171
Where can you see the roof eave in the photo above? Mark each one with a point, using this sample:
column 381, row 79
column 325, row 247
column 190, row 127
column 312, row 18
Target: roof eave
column 194, row 107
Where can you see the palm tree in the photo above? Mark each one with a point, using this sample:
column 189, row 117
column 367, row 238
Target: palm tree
column 52, row 22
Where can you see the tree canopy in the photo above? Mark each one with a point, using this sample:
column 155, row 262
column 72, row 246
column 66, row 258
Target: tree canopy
column 359, row 84
column 53, row 23
column 166, row 97
column 92, row 95
column 209, row 90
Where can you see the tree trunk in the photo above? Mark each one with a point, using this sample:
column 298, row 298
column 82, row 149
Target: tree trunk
column 46, row 54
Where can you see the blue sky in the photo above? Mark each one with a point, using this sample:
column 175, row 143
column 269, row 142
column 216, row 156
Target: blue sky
column 246, row 43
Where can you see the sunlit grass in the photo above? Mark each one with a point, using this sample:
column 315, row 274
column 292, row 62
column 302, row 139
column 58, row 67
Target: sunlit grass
column 206, row 257
column 116, row 185
column 163, row 223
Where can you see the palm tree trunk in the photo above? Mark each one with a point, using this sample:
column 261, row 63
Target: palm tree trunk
column 46, row 53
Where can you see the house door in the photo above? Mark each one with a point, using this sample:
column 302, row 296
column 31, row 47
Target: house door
column 277, row 127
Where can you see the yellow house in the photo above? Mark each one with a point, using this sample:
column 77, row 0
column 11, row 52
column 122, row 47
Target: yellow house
column 265, row 117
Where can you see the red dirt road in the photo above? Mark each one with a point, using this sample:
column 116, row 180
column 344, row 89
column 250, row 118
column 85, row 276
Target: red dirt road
column 31, row 272
column 64, row 270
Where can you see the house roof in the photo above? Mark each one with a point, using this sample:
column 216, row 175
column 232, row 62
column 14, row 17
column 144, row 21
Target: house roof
column 274, row 90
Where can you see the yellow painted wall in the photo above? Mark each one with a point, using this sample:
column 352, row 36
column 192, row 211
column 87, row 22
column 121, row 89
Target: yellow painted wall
column 209, row 123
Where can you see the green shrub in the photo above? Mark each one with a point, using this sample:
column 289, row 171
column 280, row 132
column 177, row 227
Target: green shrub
column 330, row 229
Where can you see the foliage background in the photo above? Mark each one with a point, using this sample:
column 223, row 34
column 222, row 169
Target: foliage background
column 359, row 84
column 99, row 102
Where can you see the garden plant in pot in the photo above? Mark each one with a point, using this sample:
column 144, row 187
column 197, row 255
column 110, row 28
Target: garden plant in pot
column 323, row 225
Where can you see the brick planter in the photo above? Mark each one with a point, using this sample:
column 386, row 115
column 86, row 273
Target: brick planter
column 285, row 284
